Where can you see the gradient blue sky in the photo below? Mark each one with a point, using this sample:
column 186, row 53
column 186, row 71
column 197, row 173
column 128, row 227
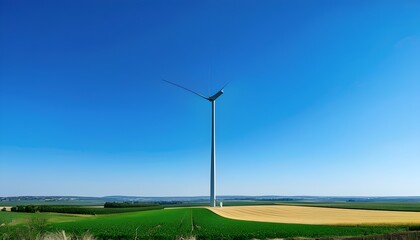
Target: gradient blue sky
column 325, row 98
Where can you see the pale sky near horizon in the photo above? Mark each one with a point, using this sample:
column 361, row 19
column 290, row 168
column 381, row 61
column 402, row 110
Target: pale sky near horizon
column 325, row 97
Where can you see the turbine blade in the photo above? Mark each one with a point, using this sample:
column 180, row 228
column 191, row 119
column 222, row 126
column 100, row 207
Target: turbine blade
column 196, row 93
column 226, row 85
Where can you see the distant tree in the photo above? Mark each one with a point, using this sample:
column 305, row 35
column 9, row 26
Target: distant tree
column 3, row 209
column 20, row 208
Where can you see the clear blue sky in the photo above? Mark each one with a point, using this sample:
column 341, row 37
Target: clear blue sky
column 325, row 98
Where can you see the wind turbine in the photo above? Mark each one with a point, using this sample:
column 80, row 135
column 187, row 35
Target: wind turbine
column 212, row 99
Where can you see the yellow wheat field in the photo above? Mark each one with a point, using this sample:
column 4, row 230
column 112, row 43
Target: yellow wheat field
column 317, row 215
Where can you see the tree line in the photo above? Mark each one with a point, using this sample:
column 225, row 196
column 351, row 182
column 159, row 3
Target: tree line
column 79, row 209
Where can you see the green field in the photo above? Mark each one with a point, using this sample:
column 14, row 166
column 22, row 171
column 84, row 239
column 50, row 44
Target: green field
column 173, row 223
column 393, row 206
column 14, row 218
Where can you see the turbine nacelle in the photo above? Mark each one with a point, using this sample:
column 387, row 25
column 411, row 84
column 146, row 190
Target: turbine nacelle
column 215, row 96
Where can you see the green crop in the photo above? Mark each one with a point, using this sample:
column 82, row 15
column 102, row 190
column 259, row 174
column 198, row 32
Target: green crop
column 204, row 224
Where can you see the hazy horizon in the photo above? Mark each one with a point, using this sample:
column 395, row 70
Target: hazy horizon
column 206, row 196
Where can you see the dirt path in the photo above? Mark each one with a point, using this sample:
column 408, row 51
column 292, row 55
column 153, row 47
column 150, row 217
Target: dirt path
column 316, row 215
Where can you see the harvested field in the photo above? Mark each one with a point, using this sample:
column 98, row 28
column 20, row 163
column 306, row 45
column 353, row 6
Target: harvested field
column 317, row 215
column 6, row 207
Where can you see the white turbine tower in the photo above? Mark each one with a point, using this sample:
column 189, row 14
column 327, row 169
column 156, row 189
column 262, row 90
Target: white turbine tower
column 212, row 99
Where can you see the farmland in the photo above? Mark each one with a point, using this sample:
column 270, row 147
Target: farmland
column 388, row 206
column 14, row 218
column 318, row 215
column 199, row 222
